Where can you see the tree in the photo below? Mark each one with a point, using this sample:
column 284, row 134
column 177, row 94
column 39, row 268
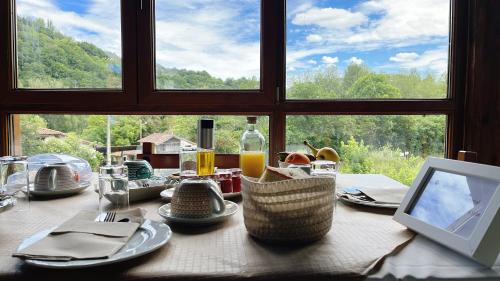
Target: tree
column 96, row 129
column 373, row 86
column 352, row 73
column 31, row 142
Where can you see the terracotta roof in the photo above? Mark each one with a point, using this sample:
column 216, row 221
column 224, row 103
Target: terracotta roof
column 46, row 132
column 159, row 138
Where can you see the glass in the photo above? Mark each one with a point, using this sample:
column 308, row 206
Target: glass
column 252, row 156
column 395, row 146
column 14, row 181
column 68, row 44
column 224, row 177
column 113, row 185
column 448, row 201
column 236, row 179
column 207, row 44
column 187, row 160
column 367, row 49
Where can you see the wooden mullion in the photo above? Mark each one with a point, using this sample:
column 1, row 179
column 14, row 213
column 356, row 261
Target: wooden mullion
column 146, row 51
column 277, row 135
column 4, row 134
column 458, row 61
column 5, row 49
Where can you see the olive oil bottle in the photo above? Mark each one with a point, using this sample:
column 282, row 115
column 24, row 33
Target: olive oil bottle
column 205, row 156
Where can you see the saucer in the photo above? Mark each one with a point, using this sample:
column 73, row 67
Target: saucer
column 168, row 193
column 7, row 203
column 57, row 192
column 231, row 209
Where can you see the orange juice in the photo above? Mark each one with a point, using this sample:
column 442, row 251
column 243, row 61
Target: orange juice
column 252, row 163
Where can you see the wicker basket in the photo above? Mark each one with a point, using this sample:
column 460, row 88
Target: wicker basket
column 296, row 210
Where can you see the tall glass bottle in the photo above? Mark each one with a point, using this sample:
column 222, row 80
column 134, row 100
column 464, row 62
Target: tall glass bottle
column 252, row 157
column 205, row 156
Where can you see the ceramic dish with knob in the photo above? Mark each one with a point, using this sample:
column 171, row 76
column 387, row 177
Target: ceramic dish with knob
column 168, row 193
column 231, row 209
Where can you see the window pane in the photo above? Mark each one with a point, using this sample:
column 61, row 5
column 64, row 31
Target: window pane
column 370, row 49
column 68, row 44
column 85, row 136
column 392, row 145
column 207, row 44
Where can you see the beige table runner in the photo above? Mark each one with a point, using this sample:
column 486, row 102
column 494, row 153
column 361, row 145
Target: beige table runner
column 357, row 239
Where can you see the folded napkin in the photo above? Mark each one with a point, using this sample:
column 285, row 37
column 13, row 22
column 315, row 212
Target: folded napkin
column 385, row 194
column 81, row 237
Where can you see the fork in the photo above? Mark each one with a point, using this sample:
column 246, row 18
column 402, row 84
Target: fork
column 110, row 217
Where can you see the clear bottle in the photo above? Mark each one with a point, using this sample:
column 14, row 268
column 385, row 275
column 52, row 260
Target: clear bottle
column 252, row 156
column 205, row 155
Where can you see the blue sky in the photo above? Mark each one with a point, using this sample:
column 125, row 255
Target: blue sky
column 222, row 36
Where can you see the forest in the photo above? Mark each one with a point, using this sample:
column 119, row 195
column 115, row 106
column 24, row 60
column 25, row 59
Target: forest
column 392, row 145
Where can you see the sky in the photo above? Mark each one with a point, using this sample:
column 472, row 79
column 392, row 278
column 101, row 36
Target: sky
column 222, row 36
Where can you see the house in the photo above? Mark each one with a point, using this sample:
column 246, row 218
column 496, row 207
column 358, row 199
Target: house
column 45, row 133
column 166, row 142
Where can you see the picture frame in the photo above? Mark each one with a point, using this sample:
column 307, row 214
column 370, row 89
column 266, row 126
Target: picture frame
column 456, row 204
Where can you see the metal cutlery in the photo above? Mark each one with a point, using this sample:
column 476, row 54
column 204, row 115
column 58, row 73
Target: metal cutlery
column 110, row 217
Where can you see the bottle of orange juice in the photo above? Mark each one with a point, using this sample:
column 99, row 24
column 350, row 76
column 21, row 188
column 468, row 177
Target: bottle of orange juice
column 252, row 157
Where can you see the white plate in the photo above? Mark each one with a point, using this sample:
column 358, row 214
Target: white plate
column 149, row 237
column 168, row 193
column 141, row 193
column 56, row 192
column 353, row 200
column 231, row 209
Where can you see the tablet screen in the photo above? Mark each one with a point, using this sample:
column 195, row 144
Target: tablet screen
column 453, row 202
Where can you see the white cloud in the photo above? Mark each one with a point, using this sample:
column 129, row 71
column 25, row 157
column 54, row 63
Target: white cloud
column 404, row 57
column 355, row 60
column 434, row 60
column 312, row 62
column 313, row 38
column 330, row 60
column 330, row 18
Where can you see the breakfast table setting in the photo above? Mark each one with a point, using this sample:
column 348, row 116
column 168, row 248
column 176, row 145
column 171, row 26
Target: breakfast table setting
column 363, row 242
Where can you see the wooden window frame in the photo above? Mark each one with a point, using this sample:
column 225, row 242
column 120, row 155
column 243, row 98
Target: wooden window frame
column 139, row 96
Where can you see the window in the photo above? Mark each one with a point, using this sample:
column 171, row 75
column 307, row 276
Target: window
column 367, row 49
column 395, row 145
column 285, row 61
column 207, row 44
column 68, row 44
column 85, row 135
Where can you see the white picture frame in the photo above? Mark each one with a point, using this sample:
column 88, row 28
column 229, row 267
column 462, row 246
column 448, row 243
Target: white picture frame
column 483, row 242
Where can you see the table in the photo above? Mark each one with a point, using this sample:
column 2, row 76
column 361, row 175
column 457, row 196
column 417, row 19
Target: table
column 226, row 251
